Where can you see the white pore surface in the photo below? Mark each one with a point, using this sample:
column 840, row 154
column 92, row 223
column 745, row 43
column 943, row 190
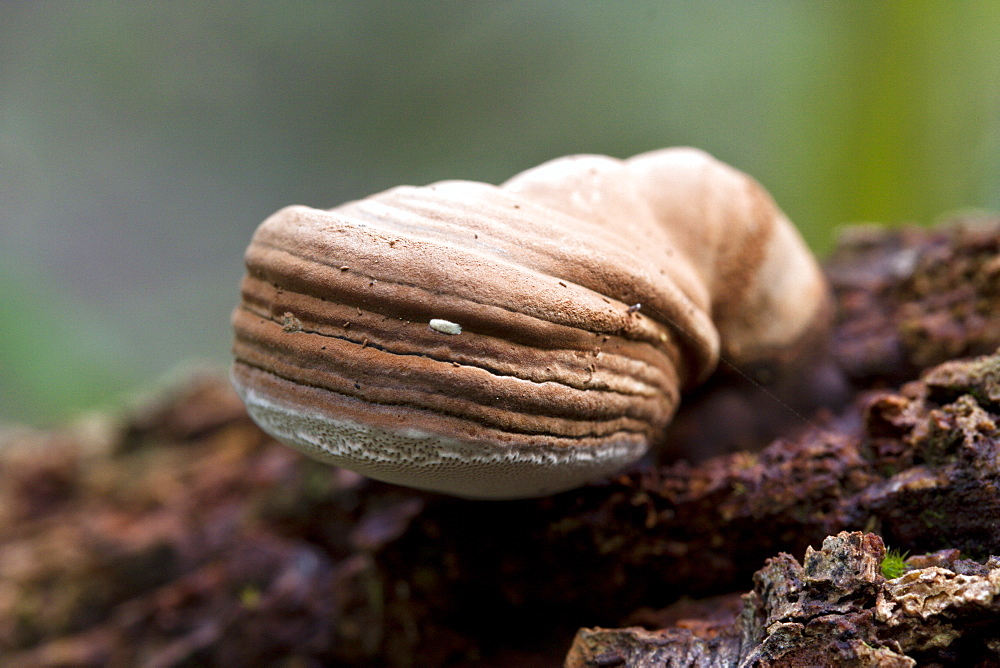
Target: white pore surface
column 414, row 458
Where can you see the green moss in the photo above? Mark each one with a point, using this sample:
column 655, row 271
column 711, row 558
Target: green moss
column 250, row 597
column 932, row 517
column 894, row 564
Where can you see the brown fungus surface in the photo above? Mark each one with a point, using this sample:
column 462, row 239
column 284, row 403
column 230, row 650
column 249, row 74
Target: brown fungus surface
column 500, row 342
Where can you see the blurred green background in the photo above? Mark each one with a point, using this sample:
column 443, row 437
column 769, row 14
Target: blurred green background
column 141, row 143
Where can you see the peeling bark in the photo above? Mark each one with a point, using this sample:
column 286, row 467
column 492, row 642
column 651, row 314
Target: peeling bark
column 834, row 609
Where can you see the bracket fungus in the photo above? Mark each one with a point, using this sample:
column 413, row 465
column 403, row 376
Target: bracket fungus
column 486, row 341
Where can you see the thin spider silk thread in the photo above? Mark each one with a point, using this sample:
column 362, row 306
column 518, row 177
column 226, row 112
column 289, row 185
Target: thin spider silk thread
column 678, row 327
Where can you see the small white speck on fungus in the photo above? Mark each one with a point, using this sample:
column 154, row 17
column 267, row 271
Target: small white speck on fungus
column 445, row 326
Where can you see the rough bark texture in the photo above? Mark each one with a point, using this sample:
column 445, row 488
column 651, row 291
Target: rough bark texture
column 181, row 535
column 834, row 609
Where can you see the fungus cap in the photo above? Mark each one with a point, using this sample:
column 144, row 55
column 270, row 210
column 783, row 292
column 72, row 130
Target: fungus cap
column 483, row 341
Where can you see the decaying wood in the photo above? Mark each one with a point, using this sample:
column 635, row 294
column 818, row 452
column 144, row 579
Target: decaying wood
column 833, row 609
column 181, row 534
